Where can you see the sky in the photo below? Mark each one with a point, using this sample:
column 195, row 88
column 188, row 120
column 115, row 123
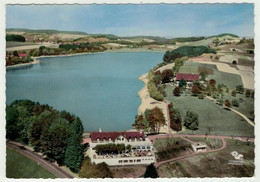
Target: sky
column 176, row 20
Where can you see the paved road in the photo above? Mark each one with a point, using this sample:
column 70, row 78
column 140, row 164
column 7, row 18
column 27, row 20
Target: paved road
column 53, row 168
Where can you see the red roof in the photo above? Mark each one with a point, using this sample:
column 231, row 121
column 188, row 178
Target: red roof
column 187, row 76
column 86, row 140
column 22, row 54
column 113, row 135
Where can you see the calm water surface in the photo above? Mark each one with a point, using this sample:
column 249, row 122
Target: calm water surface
column 102, row 89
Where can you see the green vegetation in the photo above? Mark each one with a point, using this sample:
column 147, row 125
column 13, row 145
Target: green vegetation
column 56, row 134
column 189, row 51
column 89, row 170
column 187, row 39
column 19, row 166
column 152, row 89
column 222, row 121
column 188, row 69
column 150, row 121
column 12, row 37
column 175, row 118
column 150, row 172
column 191, row 120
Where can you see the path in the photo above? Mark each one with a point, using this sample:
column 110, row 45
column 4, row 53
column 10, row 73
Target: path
column 53, row 168
column 235, row 111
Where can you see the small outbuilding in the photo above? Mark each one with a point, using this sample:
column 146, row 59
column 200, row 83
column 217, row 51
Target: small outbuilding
column 198, row 146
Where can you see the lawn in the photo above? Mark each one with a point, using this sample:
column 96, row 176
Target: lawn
column 213, row 164
column 188, row 69
column 245, row 106
column 19, row 166
column 231, row 80
column 211, row 116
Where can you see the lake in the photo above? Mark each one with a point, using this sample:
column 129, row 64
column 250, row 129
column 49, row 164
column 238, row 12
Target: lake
column 102, row 88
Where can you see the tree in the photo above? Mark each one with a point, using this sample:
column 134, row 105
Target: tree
column 167, row 75
column 15, row 53
column 212, row 82
column 155, row 118
column 196, row 90
column 11, row 123
column 227, row 103
column 203, row 75
column 240, row 89
column 248, row 93
column 234, row 93
column 175, row 118
column 151, row 172
column 177, row 91
column 191, row 120
column 182, row 83
column 74, row 151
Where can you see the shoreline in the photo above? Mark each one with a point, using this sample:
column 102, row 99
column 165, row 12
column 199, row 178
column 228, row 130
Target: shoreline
column 35, row 61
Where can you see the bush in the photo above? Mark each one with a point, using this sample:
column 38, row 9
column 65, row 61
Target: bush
column 201, row 96
column 176, row 91
column 234, row 93
column 240, row 89
column 235, row 103
column 248, row 93
column 191, row 120
column 151, row 172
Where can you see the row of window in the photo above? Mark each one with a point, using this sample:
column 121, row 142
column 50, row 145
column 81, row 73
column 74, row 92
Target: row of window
column 143, row 147
column 130, row 161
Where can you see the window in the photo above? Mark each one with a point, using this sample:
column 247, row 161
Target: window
column 143, row 147
column 120, row 161
column 138, row 160
column 125, row 161
column 130, row 160
column 148, row 147
column 138, row 147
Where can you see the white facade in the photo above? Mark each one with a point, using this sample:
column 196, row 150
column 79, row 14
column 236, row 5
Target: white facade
column 142, row 152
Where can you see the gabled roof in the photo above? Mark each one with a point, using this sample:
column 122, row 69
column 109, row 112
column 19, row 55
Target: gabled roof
column 22, row 54
column 113, row 135
column 187, row 76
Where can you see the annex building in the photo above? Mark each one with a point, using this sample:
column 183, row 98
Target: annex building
column 138, row 148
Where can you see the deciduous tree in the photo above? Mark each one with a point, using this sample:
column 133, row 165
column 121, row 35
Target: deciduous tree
column 191, row 120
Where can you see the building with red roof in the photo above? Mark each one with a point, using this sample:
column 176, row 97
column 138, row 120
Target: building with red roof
column 141, row 148
column 22, row 55
column 187, row 77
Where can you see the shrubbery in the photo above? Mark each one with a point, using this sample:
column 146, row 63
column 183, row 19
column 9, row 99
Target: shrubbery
column 152, row 89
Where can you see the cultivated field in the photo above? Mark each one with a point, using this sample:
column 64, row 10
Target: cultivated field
column 188, row 69
column 219, row 120
column 19, row 166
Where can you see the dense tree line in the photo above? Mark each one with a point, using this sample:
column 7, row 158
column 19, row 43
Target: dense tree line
column 189, row 51
column 175, row 118
column 57, row 134
column 13, row 37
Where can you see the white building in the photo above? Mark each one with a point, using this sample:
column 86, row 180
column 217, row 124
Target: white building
column 142, row 150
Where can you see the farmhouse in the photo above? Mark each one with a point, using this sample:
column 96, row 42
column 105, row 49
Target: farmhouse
column 138, row 148
column 188, row 77
column 22, row 55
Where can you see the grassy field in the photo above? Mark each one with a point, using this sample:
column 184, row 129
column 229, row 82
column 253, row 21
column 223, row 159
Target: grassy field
column 231, row 80
column 15, row 44
column 245, row 106
column 213, row 164
column 19, row 166
column 188, row 69
column 211, row 116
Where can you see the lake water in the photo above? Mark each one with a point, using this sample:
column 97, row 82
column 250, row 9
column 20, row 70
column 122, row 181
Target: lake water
column 102, row 89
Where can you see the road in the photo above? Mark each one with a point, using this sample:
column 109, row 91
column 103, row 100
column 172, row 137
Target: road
column 53, row 168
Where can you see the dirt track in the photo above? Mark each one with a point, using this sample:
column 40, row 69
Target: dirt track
column 53, row 168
